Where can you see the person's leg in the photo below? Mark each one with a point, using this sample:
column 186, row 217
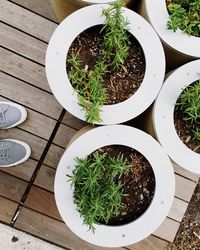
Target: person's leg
column 12, row 152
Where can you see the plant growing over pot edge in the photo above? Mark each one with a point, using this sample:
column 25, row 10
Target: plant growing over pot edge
column 184, row 14
column 177, row 142
column 61, row 86
column 105, row 138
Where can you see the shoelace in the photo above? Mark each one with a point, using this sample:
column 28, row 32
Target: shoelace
column 2, row 116
column 4, row 154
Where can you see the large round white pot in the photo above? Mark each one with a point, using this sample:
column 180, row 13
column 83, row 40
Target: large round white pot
column 63, row 8
column 60, row 84
column 179, row 47
column 163, row 116
column 116, row 236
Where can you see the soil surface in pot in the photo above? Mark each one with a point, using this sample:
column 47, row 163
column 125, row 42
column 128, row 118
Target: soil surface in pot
column 139, row 184
column 185, row 131
column 119, row 85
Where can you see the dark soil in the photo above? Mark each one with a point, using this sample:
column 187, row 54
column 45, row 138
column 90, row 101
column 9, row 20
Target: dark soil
column 185, row 131
column 119, row 85
column 139, row 184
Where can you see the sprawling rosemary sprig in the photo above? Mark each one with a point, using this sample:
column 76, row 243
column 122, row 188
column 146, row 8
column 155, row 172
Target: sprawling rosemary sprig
column 98, row 191
column 185, row 15
column 89, row 83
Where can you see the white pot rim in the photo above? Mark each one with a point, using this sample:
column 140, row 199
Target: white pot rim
column 56, row 64
column 116, row 236
column 163, row 116
column 96, row 1
column 158, row 16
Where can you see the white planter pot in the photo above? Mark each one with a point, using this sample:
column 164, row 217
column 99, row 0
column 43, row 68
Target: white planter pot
column 60, row 84
column 179, row 46
column 163, row 116
column 63, row 8
column 116, row 236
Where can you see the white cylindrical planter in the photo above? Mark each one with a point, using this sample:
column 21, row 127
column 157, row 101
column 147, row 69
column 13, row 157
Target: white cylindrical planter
column 60, row 84
column 63, row 8
column 149, row 221
column 179, row 47
column 163, row 116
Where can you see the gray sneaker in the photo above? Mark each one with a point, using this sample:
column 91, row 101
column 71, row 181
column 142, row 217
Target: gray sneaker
column 13, row 152
column 11, row 114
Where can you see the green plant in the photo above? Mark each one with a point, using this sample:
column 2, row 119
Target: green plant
column 89, row 83
column 98, row 191
column 189, row 104
column 185, row 15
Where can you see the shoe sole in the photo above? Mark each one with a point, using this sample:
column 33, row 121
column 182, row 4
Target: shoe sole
column 23, row 113
column 28, row 153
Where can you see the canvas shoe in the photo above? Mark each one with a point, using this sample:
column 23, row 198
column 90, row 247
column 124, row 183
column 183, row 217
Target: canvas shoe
column 13, row 152
column 11, row 114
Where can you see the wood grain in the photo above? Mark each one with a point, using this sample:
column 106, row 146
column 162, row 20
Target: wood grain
column 45, row 178
column 23, row 171
column 29, row 96
column 43, row 7
column 7, row 209
column 26, row 20
column 11, row 187
column 53, row 156
column 72, row 121
column 185, row 173
column 22, row 43
column 52, row 230
column 23, row 69
column 178, row 209
column 42, row 201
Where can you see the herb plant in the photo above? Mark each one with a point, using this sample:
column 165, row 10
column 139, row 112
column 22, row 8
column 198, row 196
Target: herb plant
column 189, row 104
column 185, row 15
column 114, row 51
column 98, row 191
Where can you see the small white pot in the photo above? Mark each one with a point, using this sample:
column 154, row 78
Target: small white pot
column 177, row 42
column 116, row 236
column 163, row 116
column 60, row 84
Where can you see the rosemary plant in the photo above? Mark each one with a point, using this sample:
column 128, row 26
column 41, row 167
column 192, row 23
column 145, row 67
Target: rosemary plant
column 97, row 189
column 89, row 83
column 185, row 15
column 189, row 103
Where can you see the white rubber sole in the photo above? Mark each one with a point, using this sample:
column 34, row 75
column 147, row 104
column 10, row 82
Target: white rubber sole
column 23, row 112
column 28, row 153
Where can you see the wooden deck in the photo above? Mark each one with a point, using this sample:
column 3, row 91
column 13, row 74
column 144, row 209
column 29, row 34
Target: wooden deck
column 26, row 191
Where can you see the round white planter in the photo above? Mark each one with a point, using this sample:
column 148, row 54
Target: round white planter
column 163, row 116
column 158, row 16
column 58, row 80
column 116, row 236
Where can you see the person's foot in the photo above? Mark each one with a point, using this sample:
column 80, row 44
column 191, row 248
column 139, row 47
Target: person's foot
column 11, row 114
column 13, row 152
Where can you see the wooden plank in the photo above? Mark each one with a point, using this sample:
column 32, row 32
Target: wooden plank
column 22, row 43
column 43, row 202
column 26, row 21
column 23, row 69
column 45, row 178
column 37, row 123
column 184, row 188
column 29, row 96
column 185, row 173
column 72, row 121
column 23, row 171
column 64, row 135
column 37, row 144
column 167, row 230
column 53, row 156
column 11, row 187
column 43, row 7
column 150, row 243
column 52, row 230
column 7, row 209
column 178, row 209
